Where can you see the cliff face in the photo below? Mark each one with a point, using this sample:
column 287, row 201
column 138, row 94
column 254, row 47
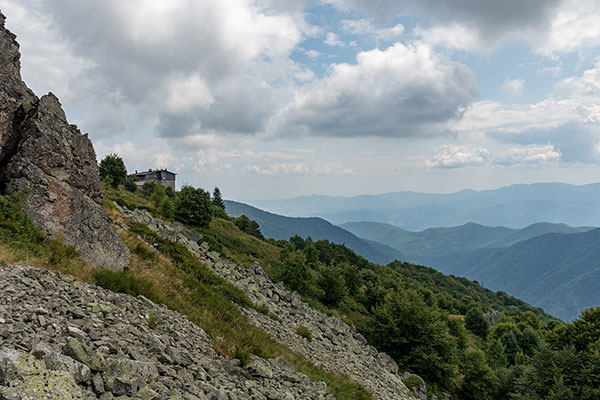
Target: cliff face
column 41, row 154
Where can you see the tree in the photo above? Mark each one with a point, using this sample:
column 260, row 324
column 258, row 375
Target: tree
column 332, row 282
column 294, row 272
column 495, row 353
column 192, row 206
column 217, row 200
column 248, row 226
column 476, row 322
column 415, row 335
column 113, row 168
column 479, row 382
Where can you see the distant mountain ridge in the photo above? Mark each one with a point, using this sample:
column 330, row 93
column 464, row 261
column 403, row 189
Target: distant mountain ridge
column 552, row 266
column 440, row 241
column 282, row 228
column 515, row 206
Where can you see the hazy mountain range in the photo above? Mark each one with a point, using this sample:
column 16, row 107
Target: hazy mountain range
column 515, row 206
column 552, row 266
column 282, row 228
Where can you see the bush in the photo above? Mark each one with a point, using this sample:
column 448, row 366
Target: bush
column 112, row 168
column 17, row 228
column 248, row 226
column 148, row 189
column 130, row 183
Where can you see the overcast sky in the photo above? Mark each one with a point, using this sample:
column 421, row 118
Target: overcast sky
column 278, row 98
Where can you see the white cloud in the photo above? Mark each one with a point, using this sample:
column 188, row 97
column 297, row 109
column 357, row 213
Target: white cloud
column 452, row 156
column 186, row 93
column 182, row 65
column 527, row 156
column 402, row 91
column 364, row 26
column 298, row 168
column 575, row 99
column 313, row 53
column 333, row 39
column 512, row 87
column 455, row 36
column 573, row 26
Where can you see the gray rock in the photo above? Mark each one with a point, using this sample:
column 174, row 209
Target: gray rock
column 22, row 376
column 42, row 154
column 60, row 362
column 122, row 328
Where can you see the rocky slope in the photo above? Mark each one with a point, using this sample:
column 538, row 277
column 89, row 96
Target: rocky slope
column 61, row 339
column 50, row 160
column 334, row 344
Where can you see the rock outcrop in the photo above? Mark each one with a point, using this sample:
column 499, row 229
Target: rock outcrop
column 334, row 344
column 51, row 161
column 61, row 339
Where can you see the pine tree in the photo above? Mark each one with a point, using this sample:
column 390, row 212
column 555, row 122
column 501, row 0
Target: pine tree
column 217, row 200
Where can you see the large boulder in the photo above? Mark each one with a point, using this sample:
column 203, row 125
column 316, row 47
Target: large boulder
column 50, row 160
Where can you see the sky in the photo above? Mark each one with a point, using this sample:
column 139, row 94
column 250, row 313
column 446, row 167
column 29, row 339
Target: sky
column 280, row 98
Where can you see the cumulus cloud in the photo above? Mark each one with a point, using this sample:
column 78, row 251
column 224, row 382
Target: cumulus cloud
column 572, row 27
column 567, row 119
column 333, row 39
column 364, row 26
column 452, row 156
column 574, row 142
column 512, row 87
column 178, row 64
column 298, row 168
column 527, row 156
column 491, row 20
column 454, row 36
column 402, row 91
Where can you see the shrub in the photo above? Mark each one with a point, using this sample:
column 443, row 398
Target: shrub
column 148, row 189
column 248, row 226
column 305, row 333
column 130, row 183
column 144, row 252
column 153, row 320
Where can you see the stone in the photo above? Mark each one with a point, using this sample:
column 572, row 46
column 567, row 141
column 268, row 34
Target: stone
column 60, row 362
column 50, row 160
column 22, row 376
column 122, row 328
column 84, row 355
